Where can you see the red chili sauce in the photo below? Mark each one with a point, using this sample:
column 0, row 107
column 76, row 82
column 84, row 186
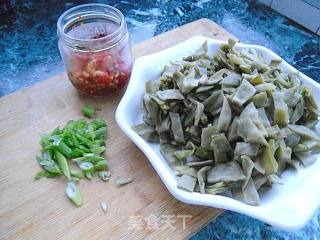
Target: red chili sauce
column 98, row 72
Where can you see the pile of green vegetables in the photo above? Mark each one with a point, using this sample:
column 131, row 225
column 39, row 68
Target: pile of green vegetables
column 230, row 123
column 79, row 143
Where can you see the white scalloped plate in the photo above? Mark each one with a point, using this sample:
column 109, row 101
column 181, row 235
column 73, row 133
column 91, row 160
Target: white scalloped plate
column 288, row 206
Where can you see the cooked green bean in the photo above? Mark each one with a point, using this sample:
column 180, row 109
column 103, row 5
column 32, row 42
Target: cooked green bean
column 230, row 123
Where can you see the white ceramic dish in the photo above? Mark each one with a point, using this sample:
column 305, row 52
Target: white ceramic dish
column 288, row 206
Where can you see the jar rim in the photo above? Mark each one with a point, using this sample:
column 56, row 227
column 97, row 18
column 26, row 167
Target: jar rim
column 61, row 26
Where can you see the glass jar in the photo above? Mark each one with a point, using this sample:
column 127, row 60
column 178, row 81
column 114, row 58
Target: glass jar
column 95, row 46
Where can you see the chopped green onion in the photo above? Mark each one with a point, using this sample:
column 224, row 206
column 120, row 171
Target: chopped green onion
column 101, row 132
column 101, row 165
column 121, row 181
column 50, row 166
column 74, row 194
column 63, row 164
column 40, row 174
column 98, row 123
column 104, row 175
column 87, row 167
column 104, row 206
column 97, row 149
column 88, row 175
column 76, row 175
column 89, row 157
column 80, row 141
column 88, row 111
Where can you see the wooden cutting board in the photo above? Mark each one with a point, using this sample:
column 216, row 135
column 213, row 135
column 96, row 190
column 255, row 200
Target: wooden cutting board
column 40, row 210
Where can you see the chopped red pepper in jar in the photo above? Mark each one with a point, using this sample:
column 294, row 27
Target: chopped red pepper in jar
column 99, row 60
column 99, row 73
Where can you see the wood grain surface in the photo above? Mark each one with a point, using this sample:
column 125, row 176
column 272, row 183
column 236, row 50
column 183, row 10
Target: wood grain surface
column 40, row 209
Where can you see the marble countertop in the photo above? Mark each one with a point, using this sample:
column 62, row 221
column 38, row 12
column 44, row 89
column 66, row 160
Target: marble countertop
column 29, row 53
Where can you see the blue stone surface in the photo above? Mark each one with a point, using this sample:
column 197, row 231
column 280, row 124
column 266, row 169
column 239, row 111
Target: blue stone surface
column 29, row 53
